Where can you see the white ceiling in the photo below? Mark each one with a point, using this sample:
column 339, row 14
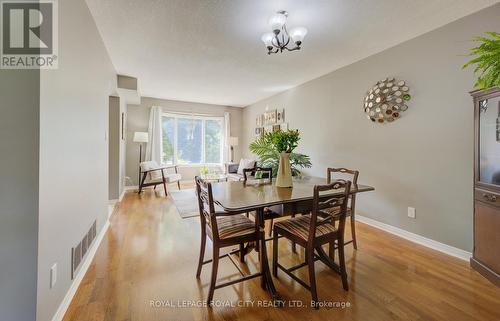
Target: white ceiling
column 210, row 50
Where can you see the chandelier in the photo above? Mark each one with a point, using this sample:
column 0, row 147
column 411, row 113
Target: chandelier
column 280, row 38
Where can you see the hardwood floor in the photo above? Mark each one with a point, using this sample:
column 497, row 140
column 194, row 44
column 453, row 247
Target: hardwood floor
column 146, row 265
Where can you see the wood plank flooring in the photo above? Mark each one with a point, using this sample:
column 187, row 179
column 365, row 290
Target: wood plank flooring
column 145, row 268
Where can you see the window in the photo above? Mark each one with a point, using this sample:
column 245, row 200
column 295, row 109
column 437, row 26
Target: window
column 192, row 139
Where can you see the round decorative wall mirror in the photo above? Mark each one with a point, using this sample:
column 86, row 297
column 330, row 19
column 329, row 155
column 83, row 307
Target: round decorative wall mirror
column 385, row 101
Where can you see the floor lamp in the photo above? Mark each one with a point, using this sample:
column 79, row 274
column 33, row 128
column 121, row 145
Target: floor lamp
column 233, row 141
column 140, row 137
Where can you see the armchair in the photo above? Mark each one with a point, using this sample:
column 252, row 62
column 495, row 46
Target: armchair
column 153, row 175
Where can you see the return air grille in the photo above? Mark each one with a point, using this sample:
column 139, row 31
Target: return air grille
column 80, row 250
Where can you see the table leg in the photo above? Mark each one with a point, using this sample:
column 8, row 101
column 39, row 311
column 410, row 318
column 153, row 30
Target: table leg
column 267, row 279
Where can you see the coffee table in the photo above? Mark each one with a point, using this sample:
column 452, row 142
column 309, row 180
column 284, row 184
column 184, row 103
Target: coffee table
column 214, row 177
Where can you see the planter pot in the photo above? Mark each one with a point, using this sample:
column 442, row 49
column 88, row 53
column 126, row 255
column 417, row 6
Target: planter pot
column 284, row 178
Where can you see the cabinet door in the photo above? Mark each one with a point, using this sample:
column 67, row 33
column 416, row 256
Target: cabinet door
column 489, row 142
column 487, row 235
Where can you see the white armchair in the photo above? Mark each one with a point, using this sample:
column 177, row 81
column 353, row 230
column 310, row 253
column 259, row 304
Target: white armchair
column 153, row 175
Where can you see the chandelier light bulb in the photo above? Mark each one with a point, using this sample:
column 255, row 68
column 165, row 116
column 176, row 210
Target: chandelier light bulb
column 267, row 38
column 277, row 21
column 297, row 34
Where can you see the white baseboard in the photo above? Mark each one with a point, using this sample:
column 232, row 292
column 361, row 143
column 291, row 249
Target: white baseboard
column 111, row 208
column 131, row 187
column 435, row 245
column 63, row 307
column 122, row 194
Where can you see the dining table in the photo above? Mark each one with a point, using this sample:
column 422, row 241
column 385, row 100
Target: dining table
column 239, row 196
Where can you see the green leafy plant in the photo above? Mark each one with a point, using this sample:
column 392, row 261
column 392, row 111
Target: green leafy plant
column 285, row 141
column 269, row 146
column 487, row 60
column 204, row 170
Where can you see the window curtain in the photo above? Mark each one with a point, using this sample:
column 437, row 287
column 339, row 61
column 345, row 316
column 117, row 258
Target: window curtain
column 227, row 133
column 154, row 148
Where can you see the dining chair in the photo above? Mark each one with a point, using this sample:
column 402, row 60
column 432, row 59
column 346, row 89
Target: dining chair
column 265, row 174
column 350, row 175
column 313, row 230
column 224, row 229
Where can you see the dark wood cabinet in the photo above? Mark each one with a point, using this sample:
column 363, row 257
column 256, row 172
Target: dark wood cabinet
column 486, row 254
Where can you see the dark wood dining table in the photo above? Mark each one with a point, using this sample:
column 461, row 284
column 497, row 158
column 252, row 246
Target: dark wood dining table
column 239, row 197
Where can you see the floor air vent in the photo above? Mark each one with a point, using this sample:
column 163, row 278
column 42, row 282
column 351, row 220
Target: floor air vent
column 80, row 250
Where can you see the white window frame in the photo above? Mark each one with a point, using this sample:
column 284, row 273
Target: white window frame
column 177, row 116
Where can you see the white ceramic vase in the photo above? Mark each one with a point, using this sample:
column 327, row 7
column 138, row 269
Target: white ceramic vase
column 284, row 177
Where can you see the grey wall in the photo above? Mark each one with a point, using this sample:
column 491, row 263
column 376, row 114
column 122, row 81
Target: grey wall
column 423, row 160
column 73, row 148
column 19, row 127
column 114, row 148
column 138, row 120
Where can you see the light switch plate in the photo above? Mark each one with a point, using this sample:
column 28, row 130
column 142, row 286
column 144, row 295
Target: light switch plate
column 411, row 212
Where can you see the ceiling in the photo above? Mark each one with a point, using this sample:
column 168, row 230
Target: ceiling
column 210, row 51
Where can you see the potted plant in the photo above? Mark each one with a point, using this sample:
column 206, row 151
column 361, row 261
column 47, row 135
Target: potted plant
column 487, row 60
column 276, row 150
column 269, row 156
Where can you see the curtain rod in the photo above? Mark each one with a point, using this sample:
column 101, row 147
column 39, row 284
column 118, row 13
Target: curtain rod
column 188, row 114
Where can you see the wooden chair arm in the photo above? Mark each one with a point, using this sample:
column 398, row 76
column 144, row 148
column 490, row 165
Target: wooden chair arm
column 161, row 169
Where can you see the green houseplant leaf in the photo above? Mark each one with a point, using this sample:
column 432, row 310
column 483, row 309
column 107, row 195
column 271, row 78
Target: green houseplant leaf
column 269, row 146
column 487, row 60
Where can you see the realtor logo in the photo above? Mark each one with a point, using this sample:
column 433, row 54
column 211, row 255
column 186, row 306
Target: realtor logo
column 29, row 34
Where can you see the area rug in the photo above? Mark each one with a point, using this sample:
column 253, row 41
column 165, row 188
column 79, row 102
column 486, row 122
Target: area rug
column 186, row 202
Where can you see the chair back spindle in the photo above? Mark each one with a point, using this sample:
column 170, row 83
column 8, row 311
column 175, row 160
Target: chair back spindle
column 322, row 208
column 206, row 204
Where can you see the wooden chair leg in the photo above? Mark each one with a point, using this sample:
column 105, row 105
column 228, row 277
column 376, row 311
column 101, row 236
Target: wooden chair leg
column 275, row 254
column 262, row 261
column 213, row 279
column 179, row 185
column 141, row 183
column 202, row 249
column 353, row 231
column 154, row 188
column 294, row 246
column 242, row 253
column 331, row 250
column 343, row 272
column 164, row 182
column 312, row 275
column 165, row 188
column 271, row 228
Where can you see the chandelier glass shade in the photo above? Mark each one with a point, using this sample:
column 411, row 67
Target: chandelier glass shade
column 280, row 39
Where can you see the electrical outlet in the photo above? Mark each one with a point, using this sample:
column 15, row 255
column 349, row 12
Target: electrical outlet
column 411, row 212
column 53, row 275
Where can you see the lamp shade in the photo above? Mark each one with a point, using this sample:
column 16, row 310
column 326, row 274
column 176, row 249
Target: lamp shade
column 267, row 38
column 233, row 141
column 141, row 137
column 297, row 34
column 277, row 21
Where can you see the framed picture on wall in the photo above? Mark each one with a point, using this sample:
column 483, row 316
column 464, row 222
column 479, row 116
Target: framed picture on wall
column 270, row 117
column 258, row 121
column 284, row 126
column 280, row 116
column 276, row 128
column 268, row 129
